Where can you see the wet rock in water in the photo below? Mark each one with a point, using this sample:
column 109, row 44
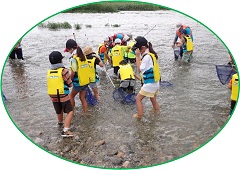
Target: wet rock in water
column 39, row 141
column 89, row 140
column 51, row 146
column 91, row 153
column 81, row 145
column 86, row 160
column 76, row 138
column 117, row 161
column 126, row 149
column 99, row 143
column 112, row 152
column 125, row 164
column 120, row 154
column 102, row 147
column 75, row 152
column 67, row 148
column 106, row 158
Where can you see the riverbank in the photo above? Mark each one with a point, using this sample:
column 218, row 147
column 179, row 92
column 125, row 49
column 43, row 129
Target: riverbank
column 105, row 7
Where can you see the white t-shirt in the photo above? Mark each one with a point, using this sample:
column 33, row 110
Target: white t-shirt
column 146, row 64
column 73, row 62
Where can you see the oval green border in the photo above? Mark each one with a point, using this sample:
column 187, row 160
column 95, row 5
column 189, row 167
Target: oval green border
column 167, row 8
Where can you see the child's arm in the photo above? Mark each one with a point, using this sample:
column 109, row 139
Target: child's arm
column 230, row 85
column 137, row 76
column 67, row 77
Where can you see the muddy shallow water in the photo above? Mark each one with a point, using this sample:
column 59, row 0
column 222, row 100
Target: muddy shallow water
column 191, row 112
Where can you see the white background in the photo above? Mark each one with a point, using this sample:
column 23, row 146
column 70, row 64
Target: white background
column 17, row 17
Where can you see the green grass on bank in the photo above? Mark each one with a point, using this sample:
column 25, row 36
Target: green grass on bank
column 55, row 25
column 104, row 7
column 65, row 25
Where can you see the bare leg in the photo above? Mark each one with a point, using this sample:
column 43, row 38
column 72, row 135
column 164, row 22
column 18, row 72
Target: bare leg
column 68, row 120
column 155, row 103
column 72, row 95
column 96, row 94
column 82, row 95
column 60, row 117
column 139, row 104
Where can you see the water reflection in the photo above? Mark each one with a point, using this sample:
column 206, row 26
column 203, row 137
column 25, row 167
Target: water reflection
column 19, row 79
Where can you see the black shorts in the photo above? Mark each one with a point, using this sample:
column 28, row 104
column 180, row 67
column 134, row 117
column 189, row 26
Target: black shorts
column 132, row 60
column 16, row 52
column 233, row 104
column 115, row 69
column 66, row 107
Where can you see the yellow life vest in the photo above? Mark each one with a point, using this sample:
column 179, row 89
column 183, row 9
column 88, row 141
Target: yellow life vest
column 126, row 72
column 83, row 71
column 130, row 54
column 117, row 55
column 55, row 83
column 234, row 95
column 92, row 69
column 189, row 44
column 153, row 74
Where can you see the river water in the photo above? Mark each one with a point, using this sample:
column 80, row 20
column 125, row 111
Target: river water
column 191, row 112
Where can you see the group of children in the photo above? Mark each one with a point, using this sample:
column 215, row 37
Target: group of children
column 83, row 74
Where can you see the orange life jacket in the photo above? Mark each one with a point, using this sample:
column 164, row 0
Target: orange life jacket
column 178, row 32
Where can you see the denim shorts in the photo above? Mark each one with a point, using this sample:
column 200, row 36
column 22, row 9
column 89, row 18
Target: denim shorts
column 93, row 85
column 80, row 88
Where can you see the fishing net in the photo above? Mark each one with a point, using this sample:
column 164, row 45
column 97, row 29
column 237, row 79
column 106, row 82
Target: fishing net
column 176, row 51
column 224, row 73
column 120, row 95
column 130, row 99
column 4, row 97
column 90, row 98
column 165, row 83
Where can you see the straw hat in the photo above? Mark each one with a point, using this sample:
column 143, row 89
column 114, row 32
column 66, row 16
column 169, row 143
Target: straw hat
column 178, row 25
column 87, row 50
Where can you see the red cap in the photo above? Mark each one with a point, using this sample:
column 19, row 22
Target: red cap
column 70, row 44
column 65, row 50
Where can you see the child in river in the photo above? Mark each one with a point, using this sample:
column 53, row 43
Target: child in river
column 58, row 83
column 147, row 65
column 126, row 76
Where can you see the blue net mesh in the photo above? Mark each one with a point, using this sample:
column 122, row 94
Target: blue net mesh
column 224, row 73
column 165, row 83
column 122, row 96
column 130, row 99
column 90, row 98
column 4, row 97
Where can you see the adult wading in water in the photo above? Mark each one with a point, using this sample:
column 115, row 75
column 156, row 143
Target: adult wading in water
column 17, row 51
column 181, row 27
column 187, row 46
